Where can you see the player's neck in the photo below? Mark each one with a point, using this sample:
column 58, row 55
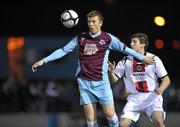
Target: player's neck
column 142, row 52
column 92, row 33
column 95, row 34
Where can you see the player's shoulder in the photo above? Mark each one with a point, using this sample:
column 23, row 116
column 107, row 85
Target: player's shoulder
column 123, row 60
column 109, row 34
column 149, row 54
column 106, row 34
column 83, row 35
column 114, row 38
column 129, row 57
column 157, row 59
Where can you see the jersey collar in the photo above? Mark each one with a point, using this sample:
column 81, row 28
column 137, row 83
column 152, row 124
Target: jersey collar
column 93, row 35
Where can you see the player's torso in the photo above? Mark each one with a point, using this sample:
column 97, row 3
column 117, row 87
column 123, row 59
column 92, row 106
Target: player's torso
column 139, row 75
column 92, row 54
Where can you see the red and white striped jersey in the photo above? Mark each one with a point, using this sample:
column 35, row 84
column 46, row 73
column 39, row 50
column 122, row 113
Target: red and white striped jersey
column 139, row 77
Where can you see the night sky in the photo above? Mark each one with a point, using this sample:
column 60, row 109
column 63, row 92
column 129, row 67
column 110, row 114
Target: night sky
column 122, row 19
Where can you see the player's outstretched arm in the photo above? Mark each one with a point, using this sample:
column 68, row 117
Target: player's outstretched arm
column 37, row 64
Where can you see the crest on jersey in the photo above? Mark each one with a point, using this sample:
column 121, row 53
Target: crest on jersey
column 102, row 42
column 138, row 67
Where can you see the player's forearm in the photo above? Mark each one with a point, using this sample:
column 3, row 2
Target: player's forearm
column 55, row 55
column 112, row 77
column 165, row 83
column 133, row 53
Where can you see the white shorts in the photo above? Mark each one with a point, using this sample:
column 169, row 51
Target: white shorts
column 142, row 102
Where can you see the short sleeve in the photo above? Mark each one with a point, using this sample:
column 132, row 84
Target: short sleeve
column 120, row 69
column 160, row 69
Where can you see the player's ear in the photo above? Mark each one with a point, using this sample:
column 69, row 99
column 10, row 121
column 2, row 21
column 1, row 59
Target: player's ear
column 143, row 45
column 101, row 23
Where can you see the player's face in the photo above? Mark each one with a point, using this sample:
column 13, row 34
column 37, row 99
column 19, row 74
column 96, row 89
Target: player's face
column 136, row 45
column 94, row 24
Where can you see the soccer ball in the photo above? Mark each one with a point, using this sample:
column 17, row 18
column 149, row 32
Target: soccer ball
column 69, row 18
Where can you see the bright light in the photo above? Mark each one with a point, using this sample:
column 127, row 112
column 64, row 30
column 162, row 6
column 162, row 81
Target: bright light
column 159, row 20
column 15, row 43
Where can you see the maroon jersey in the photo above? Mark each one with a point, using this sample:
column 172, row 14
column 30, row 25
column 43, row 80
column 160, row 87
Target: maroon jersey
column 92, row 54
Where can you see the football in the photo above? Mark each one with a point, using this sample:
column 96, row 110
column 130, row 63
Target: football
column 69, row 18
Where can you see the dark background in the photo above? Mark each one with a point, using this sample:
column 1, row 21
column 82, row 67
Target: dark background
column 122, row 18
column 54, row 88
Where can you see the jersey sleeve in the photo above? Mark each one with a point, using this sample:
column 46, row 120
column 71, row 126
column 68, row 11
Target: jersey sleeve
column 133, row 53
column 160, row 69
column 117, row 45
column 120, row 69
column 59, row 53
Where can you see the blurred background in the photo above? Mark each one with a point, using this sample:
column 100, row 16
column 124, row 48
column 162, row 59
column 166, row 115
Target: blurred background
column 31, row 30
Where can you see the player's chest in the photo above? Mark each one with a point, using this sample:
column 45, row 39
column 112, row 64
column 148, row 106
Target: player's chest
column 134, row 68
column 100, row 44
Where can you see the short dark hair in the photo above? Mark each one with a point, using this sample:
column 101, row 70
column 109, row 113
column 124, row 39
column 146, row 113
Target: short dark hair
column 143, row 38
column 95, row 13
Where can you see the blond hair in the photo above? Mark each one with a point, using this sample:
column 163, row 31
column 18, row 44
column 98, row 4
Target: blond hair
column 95, row 13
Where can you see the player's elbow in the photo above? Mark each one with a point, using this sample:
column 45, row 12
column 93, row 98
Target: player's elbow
column 167, row 80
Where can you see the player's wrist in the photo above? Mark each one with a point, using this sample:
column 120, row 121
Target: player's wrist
column 44, row 61
column 111, row 71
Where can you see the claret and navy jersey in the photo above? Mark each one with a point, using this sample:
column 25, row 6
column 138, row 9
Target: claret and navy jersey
column 93, row 54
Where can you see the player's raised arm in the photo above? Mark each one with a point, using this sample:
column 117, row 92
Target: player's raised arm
column 144, row 59
column 117, row 45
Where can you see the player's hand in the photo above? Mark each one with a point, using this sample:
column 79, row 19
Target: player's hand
column 148, row 59
column 159, row 91
column 111, row 66
column 37, row 64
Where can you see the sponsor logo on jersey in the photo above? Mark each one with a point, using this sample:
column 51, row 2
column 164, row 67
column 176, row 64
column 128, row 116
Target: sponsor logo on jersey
column 90, row 49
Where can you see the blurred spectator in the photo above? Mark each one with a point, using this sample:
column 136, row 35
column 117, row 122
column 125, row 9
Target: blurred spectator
column 52, row 96
column 68, row 96
column 15, row 95
column 61, row 96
